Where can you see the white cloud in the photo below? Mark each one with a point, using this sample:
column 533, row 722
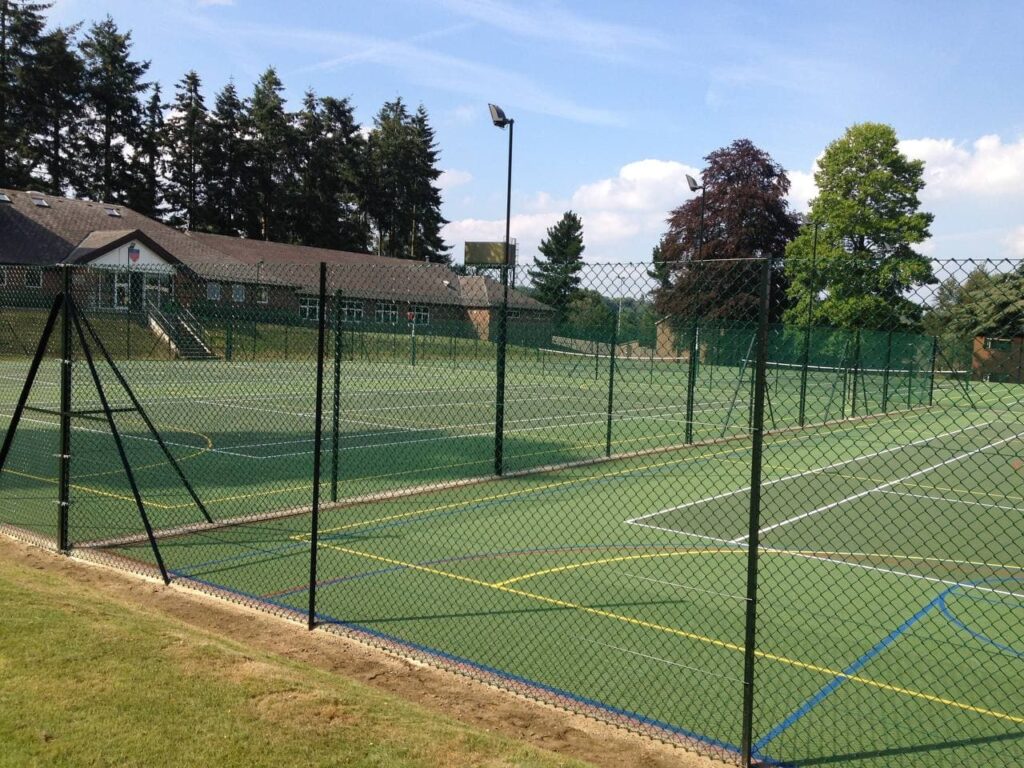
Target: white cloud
column 617, row 213
column 987, row 167
column 1015, row 242
column 452, row 178
column 802, row 190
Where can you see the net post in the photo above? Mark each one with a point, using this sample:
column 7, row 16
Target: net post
column 885, row 377
column 128, row 333
column 229, row 336
column 931, row 376
column 499, row 398
column 336, row 405
column 611, row 382
column 64, row 472
column 314, row 523
column 691, row 379
column 754, row 519
column 803, row 372
column 856, row 373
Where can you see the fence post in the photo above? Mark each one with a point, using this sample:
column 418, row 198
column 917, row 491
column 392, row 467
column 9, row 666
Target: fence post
column 611, row 382
column 499, row 399
column 229, row 336
column 64, row 479
column 856, row 373
column 931, row 380
column 888, row 365
column 336, row 422
column 128, row 333
column 317, row 445
column 753, row 531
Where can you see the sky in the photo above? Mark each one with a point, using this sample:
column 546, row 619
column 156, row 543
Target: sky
column 614, row 102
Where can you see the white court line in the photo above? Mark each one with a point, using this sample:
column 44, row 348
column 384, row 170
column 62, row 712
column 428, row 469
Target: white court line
column 883, row 486
column 953, row 501
column 667, row 661
column 807, row 472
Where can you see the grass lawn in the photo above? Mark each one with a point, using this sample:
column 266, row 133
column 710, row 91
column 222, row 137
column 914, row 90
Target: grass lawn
column 86, row 679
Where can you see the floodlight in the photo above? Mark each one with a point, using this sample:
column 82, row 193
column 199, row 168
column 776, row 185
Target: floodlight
column 498, row 116
column 694, row 186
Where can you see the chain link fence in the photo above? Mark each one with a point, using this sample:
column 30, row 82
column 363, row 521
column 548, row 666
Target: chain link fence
column 690, row 501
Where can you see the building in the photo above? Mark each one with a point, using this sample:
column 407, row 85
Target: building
column 142, row 265
column 998, row 359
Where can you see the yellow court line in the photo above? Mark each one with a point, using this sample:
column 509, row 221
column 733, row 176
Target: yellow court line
column 621, row 559
column 835, row 673
column 199, row 452
column 87, row 489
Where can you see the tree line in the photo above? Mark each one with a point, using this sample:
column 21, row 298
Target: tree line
column 851, row 262
column 78, row 118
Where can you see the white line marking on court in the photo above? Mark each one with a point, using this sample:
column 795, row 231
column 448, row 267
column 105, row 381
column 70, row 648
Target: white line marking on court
column 808, row 472
column 688, row 587
column 883, row 486
column 707, row 672
column 953, row 501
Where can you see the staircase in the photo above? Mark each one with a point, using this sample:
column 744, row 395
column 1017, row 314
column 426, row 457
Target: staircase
column 183, row 333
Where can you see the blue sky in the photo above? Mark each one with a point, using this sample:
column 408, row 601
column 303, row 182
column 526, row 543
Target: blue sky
column 615, row 101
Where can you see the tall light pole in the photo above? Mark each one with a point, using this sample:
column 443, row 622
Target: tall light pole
column 691, row 383
column 500, row 120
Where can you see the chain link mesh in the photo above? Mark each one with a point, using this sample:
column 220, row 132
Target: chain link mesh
column 592, row 546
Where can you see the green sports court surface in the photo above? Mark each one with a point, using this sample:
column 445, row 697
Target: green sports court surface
column 891, row 573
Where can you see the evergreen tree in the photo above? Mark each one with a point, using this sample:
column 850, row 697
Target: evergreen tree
column 555, row 275
column 21, row 28
column 327, row 161
column 185, row 140
column 56, row 85
column 145, row 194
column 225, row 161
column 390, row 160
column 267, row 182
column 427, row 221
column 868, row 217
column 113, row 113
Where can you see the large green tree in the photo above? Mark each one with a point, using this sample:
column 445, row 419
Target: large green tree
column 56, row 85
column 112, row 121
column 146, row 190
column 556, row 272
column 225, row 160
column 746, row 216
column 868, row 218
column 185, row 140
column 401, row 199
column 21, row 34
column 268, row 181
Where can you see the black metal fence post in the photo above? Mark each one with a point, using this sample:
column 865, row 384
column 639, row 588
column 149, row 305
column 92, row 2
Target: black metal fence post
column 888, row 366
column 336, row 406
column 611, row 382
column 499, row 399
column 754, row 522
column 64, row 472
column 931, row 381
column 317, row 445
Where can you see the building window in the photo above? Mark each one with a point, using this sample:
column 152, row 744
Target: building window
column 213, row 291
column 514, row 314
column 33, row 277
column 421, row 314
column 386, row 313
column 262, row 294
column 238, row 293
column 999, row 345
column 351, row 311
column 309, row 307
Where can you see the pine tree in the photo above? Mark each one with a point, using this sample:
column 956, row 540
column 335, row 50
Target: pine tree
column 113, row 113
column 427, row 221
column 267, row 182
column 389, row 162
column 145, row 194
column 185, row 138
column 225, row 161
column 21, row 28
column 555, row 275
column 56, row 85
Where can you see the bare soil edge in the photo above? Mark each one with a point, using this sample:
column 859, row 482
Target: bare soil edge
column 464, row 695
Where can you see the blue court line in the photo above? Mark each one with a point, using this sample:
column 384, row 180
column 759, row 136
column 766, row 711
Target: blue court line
column 979, row 636
column 847, row 673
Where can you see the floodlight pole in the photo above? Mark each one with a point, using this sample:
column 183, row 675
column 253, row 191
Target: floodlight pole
column 500, row 120
column 691, row 374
